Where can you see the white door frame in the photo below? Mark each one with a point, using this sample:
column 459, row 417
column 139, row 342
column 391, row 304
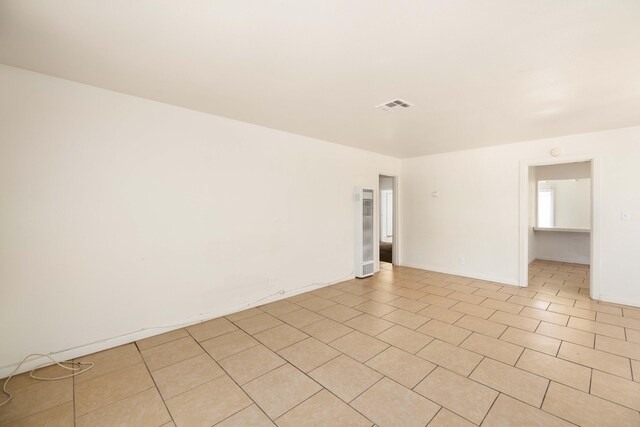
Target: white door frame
column 395, row 255
column 595, row 286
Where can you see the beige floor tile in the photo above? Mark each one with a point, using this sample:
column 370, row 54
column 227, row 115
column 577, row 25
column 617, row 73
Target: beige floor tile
column 545, row 316
column 616, row 389
column 380, row 296
column 251, row 363
column 473, row 310
column 323, row 409
column 558, row 370
column 249, row 416
column 458, row 394
column 345, row 377
column 108, row 361
column 34, row 398
column 514, row 382
column 439, row 300
column 58, row 416
column 485, row 327
column 530, row 340
column 573, row 311
column 280, row 337
column 436, row 290
column 618, row 321
column 467, row 298
column 442, row 314
column 516, row 321
column 635, row 366
column 106, row 389
column 326, row 330
column 597, row 307
column 360, row 346
column 449, row 356
column 308, row 354
column 161, row 339
column 596, row 359
column 554, row 299
column 446, row 418
column 327, row 292
column 261, row 322
column 172, row 352
column 340, row 313
column 280, row 390
column 375, row 308
column 517, row 291
column 316, row 303
column 493, row 348
column 407, row 304
column 444, row 331
column 369, row 324
column 493, row 294
column 409, row 293
column 209, row 403
column 145, row 409
column 182, row 376
column 406, row 319
column 633, row 313
column 528, row 302
column 229, row 344
column 400, row 366
column 507, row 411
column 211, row 329
column 506, row 307
column 301, row 318
column 566, row 334
column 389, row 404
column 597, row 328
column 619, row 347
column 359, row 288
column 349, row 300
column 404, row 338
column 281, row 307
column 631, row 335
column 239, row 315
column 587, row 410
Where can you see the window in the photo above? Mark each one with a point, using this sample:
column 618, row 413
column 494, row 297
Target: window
column 546, row 213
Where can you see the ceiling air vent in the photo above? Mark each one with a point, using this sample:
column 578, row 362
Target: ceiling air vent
column 395, row 105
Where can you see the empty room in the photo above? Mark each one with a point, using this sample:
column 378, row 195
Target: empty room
column 319, row 213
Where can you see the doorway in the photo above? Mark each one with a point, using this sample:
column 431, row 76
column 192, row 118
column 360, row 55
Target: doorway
column 386, row 186
column 559, row 225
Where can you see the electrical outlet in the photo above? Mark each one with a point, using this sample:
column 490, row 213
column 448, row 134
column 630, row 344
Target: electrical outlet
column 626, row 216
column 463, row 261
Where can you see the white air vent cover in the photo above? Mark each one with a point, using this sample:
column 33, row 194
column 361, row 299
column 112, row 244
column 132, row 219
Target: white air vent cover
column 395, row 105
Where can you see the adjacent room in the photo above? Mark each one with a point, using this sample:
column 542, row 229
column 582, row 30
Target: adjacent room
column 319, row 213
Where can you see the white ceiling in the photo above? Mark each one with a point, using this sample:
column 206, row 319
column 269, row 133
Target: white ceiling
column 479, row 72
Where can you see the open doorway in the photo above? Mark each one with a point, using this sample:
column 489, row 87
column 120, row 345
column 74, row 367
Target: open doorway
column 387, row 217
column 560, row 227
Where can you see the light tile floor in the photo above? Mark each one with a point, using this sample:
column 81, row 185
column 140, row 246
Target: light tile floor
column 406, row 347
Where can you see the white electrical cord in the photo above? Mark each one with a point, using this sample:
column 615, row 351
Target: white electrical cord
column 76, row 368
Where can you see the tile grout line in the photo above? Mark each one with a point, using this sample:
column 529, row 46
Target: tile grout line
column 164, row 402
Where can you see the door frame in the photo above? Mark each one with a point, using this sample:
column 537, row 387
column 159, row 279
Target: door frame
column 395, row 257
column 595, row 289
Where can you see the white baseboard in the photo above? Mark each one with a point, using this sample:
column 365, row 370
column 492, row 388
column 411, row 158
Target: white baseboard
column 107, row 343
column 469, row 274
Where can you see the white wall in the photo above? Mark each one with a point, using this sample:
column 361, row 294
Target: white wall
column 533, row 215
column 477, row 213
column 563, row 246
column 113, row 218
